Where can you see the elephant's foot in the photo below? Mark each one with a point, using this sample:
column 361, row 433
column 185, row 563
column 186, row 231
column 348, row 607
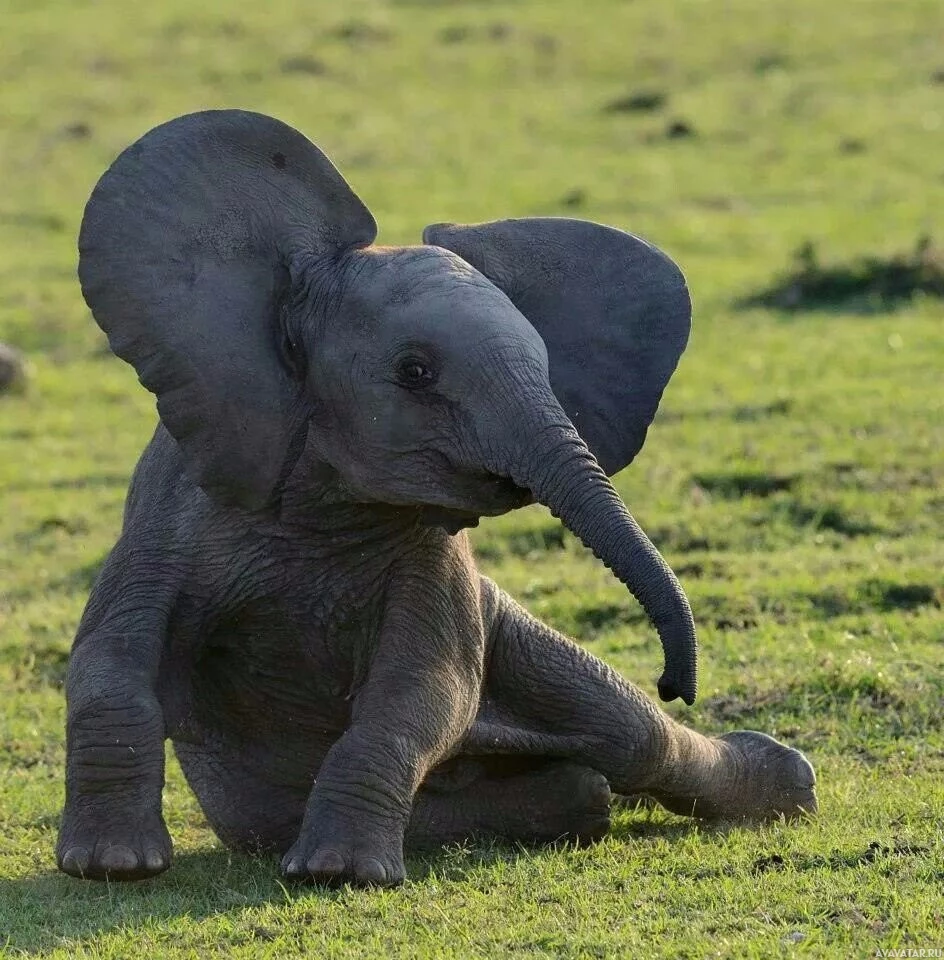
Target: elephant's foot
column 568, row 802
column 753, row 777
column 340, row 851
column 558, row 800
column 583, row 804
column 102, row 845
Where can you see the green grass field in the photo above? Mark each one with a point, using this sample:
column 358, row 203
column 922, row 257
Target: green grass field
column 793, row 477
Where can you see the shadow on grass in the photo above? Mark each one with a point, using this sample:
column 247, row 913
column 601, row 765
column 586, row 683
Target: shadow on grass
column 821, row 517
column 865, row 285
column 48, row 910
column 732, row 486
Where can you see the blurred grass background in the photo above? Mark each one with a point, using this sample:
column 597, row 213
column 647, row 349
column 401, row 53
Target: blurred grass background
column 793, row 477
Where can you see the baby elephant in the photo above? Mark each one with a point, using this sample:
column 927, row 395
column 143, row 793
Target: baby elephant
column 292, row 601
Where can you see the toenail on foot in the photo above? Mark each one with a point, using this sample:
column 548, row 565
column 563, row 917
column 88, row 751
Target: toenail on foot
column 600, row 793
column 118, row 859
column 154, row 860
column 326, row 862
column 371, row 870
column 76, row 861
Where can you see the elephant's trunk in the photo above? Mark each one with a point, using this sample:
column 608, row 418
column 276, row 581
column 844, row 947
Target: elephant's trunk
column 561, row 472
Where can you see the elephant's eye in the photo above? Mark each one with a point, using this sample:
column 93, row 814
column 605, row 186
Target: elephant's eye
column 414, row 373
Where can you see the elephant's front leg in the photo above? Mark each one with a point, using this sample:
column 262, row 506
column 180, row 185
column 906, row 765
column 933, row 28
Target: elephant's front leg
column 112, row 826
column 419, row 699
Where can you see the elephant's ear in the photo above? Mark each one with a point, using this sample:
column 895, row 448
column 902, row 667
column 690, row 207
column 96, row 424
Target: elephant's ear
column 614, row 313
column 190, row 243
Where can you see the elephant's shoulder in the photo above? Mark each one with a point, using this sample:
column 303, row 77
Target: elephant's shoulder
column 161, row 493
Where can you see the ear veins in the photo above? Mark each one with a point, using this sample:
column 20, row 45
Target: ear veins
column 312, row 291
column 317, row 282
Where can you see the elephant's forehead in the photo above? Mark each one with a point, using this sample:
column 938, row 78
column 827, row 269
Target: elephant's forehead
column 421, row 290
column 410, row 274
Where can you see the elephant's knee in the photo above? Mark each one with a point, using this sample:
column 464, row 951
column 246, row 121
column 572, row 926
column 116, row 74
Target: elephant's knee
column 633, row 753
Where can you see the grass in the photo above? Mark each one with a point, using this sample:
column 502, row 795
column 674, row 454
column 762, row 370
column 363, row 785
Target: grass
column 793, row 477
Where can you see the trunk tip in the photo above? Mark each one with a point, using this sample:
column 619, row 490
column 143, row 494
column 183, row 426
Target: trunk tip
column 671, row 686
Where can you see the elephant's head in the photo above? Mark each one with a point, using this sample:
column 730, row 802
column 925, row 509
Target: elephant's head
column 230, row 263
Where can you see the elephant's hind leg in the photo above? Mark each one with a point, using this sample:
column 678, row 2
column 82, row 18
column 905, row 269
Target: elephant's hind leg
column 246, row 807
column 540, row 803
column 553, row 697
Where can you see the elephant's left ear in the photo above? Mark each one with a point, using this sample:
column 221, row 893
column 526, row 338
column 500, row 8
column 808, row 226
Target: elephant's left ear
column 613, row 311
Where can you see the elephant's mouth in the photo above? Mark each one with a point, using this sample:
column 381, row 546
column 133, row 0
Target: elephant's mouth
column 452, row 521
column 507, row 493
column 495, row 495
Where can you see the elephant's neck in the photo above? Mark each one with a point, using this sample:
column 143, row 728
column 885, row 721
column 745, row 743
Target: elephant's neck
column 347, row 522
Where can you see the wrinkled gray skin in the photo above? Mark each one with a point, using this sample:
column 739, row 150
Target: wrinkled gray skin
column 292, row 601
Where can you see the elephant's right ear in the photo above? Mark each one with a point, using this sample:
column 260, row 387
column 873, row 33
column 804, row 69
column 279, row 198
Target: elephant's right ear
column 189, row 244
column 614, row 313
